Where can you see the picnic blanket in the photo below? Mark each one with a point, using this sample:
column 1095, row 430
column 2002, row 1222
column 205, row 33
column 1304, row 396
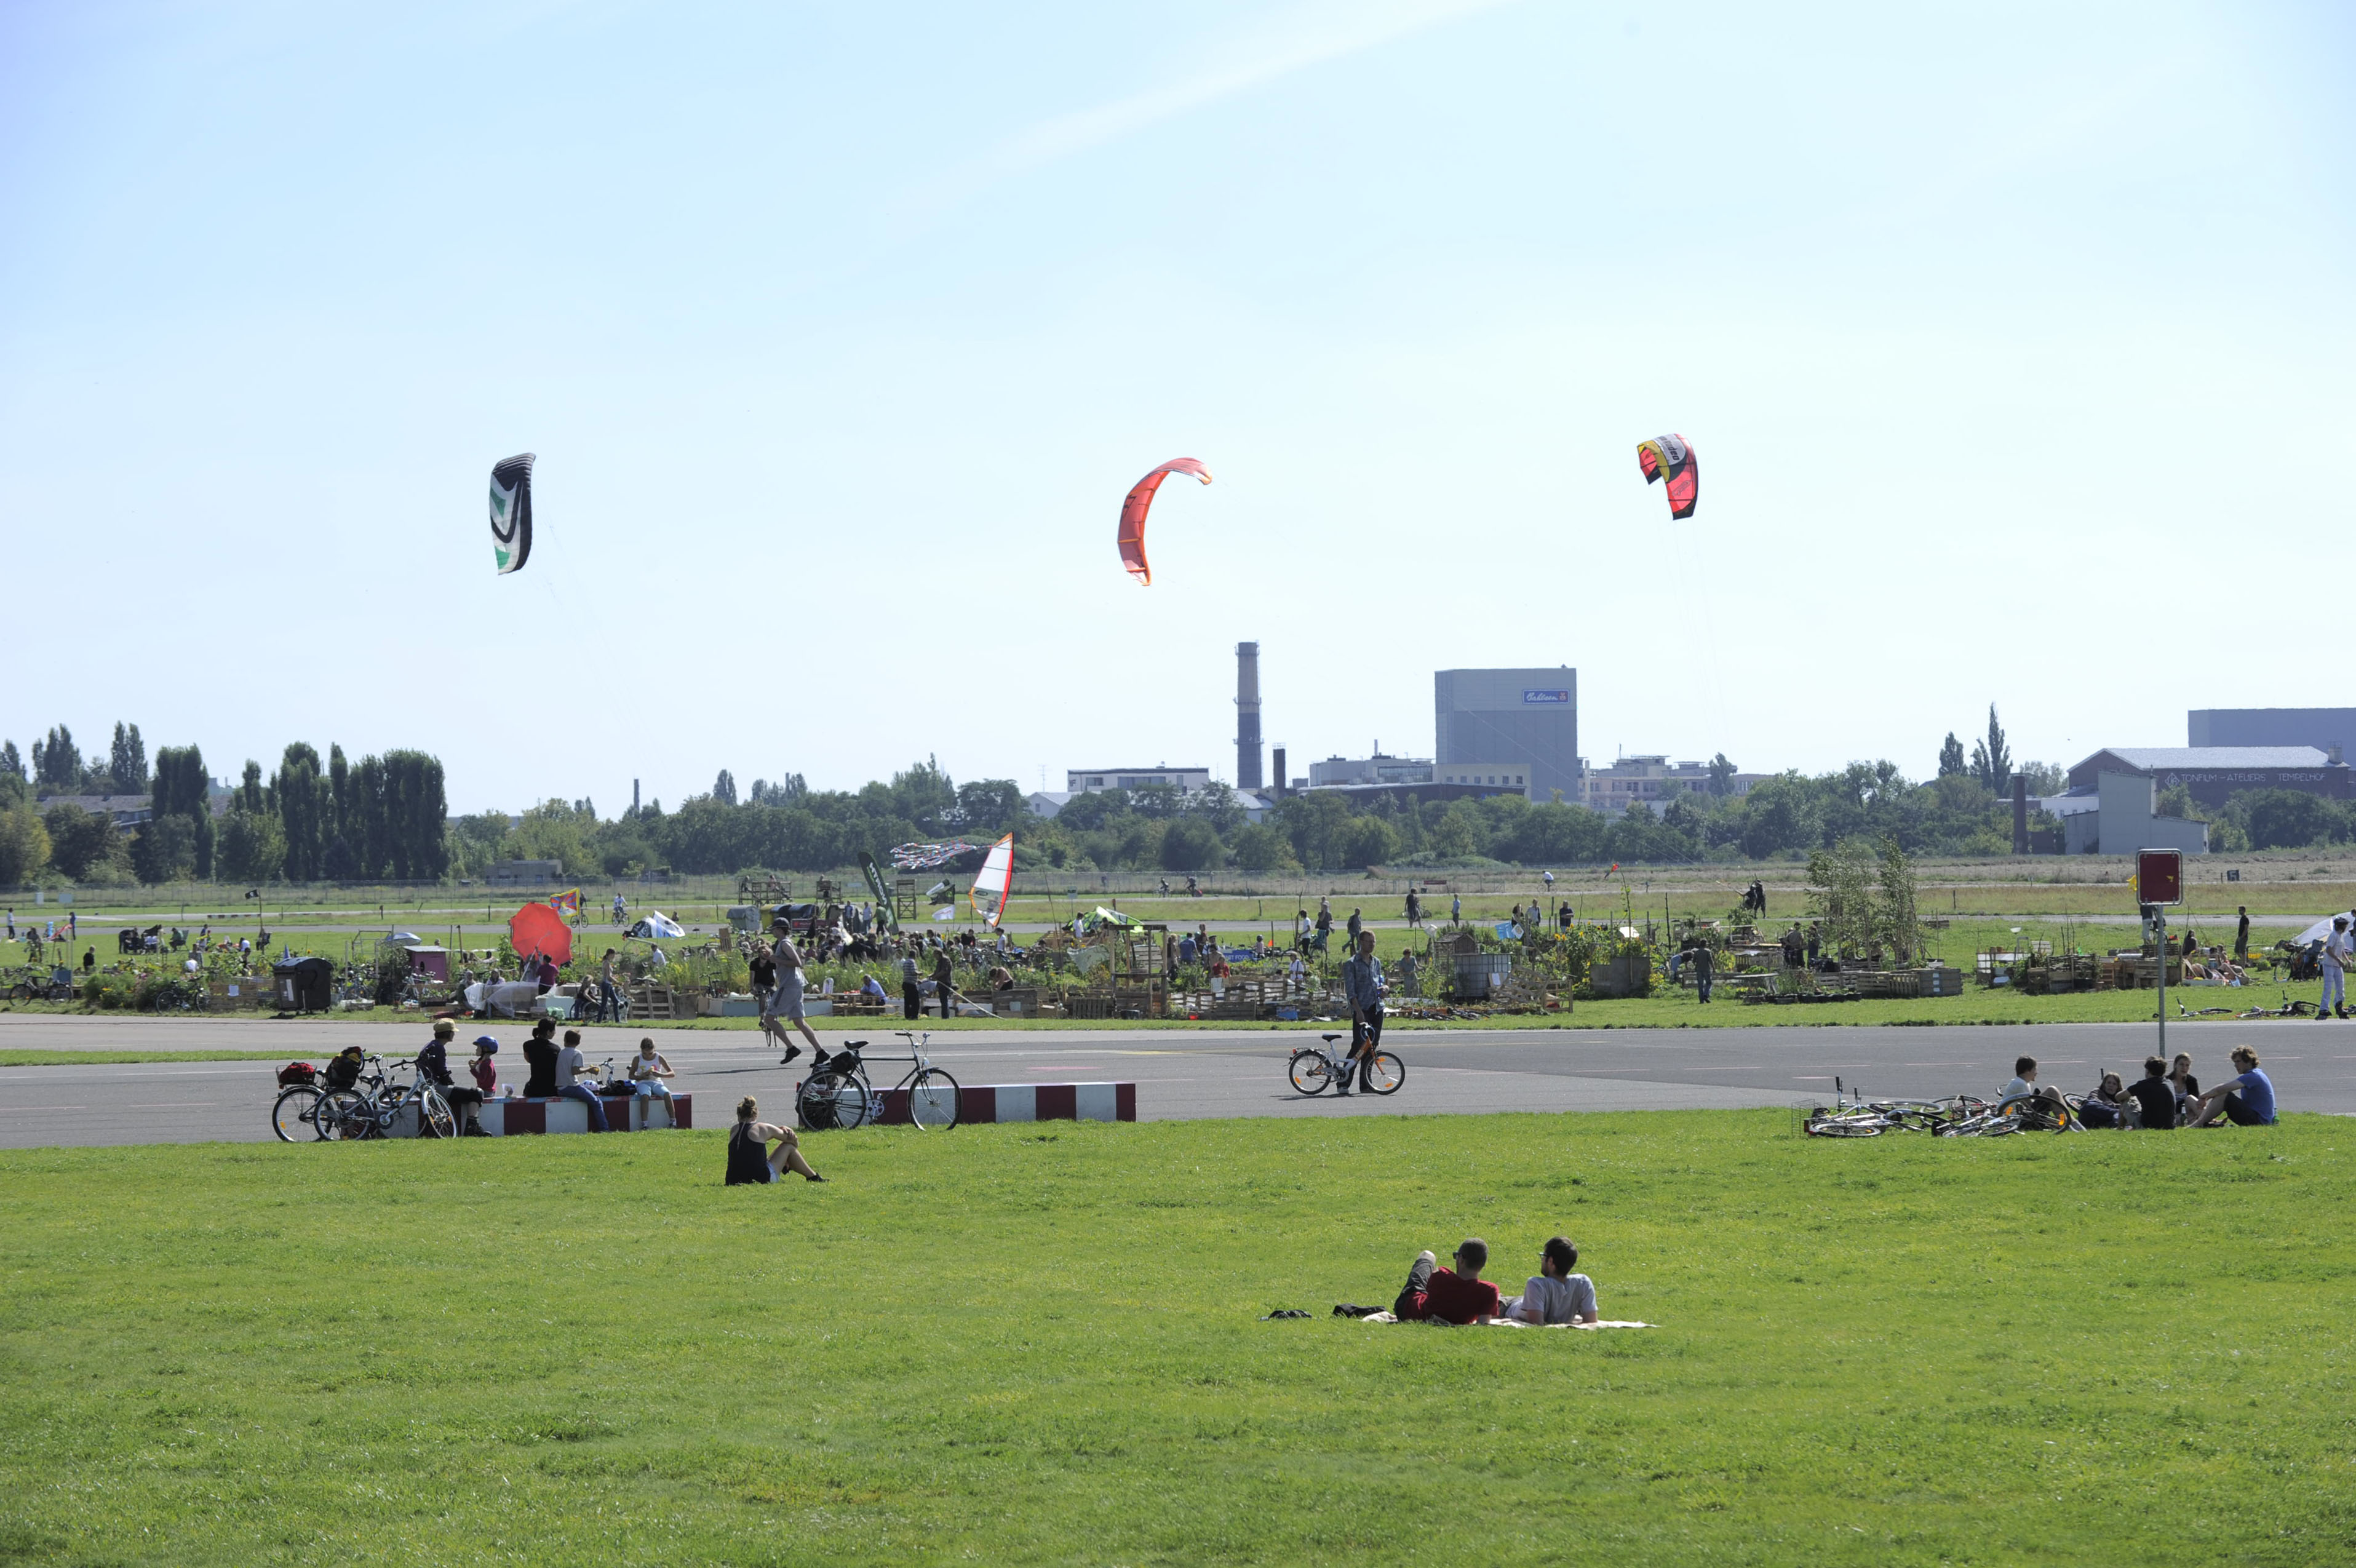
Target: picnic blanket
column 1510, row 1323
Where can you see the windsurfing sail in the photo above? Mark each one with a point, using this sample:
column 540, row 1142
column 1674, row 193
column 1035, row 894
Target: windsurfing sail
column 993, row 882
column 1670, row 458
column 511, row 512
column 1141, row 501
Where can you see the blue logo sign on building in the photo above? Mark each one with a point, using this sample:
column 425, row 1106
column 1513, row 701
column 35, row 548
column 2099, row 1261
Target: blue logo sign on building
column 1530, row 696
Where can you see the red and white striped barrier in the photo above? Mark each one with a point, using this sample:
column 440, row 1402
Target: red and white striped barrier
column 638, row 1113
column 1029, row 1102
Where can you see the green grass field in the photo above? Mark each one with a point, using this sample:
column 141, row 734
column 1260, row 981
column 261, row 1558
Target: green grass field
column 1040, row 1345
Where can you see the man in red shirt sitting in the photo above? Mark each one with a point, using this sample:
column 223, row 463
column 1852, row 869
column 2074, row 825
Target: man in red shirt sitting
column 1458, row 1295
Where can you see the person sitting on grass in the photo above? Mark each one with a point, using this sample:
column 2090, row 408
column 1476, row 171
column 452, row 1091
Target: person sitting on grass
column 2180, row 1078
column 2155, row 1097
column 2247, row 1100
column 750, row 1161
column 2024, row 1081
column 1458, row 1295
column 1554, row 1294
column 2107, row 1106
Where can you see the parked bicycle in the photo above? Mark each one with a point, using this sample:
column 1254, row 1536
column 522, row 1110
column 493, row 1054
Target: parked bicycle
column 839, row 1095
column 1314, row 1069
column 41, row 982
column 369, row 1107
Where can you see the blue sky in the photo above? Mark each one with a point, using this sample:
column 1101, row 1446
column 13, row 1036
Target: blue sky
column 2014, row 341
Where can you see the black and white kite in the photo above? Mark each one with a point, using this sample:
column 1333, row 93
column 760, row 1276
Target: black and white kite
column 511, row 512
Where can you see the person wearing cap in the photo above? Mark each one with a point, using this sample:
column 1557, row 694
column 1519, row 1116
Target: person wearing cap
column 433, row 1067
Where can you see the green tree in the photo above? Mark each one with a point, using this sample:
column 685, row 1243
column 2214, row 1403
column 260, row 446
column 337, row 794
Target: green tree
column 85, row 845
column 57, row 762
column 303, row 810
column 1722, row 776
column 1951, row 755
column 1840, row 890
column 164, row 850
column 127, row 764
column 1192, row 844
column 249, row 793
column 1992, row 759
column 1259, row 847
column 724, row 788
column 24, row 845
column 252, row 847
column 1896, row 920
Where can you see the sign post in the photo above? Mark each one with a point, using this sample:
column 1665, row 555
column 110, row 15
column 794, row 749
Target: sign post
column 2159, row 881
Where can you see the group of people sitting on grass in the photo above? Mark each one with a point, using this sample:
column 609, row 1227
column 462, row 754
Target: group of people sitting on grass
column 1460, row 1296
column 2166, row 1096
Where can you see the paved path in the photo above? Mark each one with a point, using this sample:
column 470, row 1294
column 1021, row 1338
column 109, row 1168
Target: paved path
column 1210, row 1073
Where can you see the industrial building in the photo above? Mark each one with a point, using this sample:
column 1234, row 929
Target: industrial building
column 1499, row 722
column 2329, row 730
column 2215, row 773
column 1379, row 768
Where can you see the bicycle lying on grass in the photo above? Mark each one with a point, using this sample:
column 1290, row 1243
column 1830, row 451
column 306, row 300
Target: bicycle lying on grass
column 1957, row 1116
column 837, row 1094
column 1313, row 1070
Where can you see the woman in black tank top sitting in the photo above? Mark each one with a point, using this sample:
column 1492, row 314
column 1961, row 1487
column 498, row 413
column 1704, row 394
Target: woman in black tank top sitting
column 750, row 1160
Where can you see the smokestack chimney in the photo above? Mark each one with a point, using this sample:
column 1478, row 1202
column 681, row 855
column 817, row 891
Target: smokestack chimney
column 2020, row 815
column 1277, row 755
column 1247, row 718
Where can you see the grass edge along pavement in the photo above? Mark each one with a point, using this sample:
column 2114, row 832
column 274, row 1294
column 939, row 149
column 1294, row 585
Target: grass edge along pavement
column 1040, row 1344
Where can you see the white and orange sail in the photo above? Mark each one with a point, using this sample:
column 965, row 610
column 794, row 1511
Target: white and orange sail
column 994, row 881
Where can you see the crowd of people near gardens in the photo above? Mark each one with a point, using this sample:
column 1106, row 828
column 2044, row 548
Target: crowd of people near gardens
column 2165, row 1096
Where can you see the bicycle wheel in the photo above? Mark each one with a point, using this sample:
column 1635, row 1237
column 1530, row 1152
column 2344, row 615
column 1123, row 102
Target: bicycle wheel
column 817, row 1103
column 1844, row 1127
column 856, row 1104
column 343, row 1115
column 933, row 1100
column 1384, row 1073
column 20, row 993
column 1309, row 1073
column 433, row 1118
column 295, row 1117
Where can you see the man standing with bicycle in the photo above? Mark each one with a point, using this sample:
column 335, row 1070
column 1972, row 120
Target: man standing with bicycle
column 1362, row 985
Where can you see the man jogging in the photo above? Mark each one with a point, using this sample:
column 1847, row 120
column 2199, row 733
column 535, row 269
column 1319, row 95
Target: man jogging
column 1362, row 985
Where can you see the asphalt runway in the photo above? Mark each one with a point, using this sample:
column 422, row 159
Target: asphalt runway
column 1181, row 1076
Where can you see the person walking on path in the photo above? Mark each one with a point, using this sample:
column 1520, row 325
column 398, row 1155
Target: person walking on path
column 1456, row 909
column 912, row 1003
column 786, row 1002
column 1699, row 958
column 1324, row 924
column 2242, row 938
column 1361, row 987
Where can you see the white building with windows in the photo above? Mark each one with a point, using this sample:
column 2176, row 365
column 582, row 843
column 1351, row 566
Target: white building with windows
column 1082, row 781
column 1654, row 780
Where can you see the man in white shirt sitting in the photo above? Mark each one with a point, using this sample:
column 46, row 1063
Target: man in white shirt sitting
column 1554, row 1295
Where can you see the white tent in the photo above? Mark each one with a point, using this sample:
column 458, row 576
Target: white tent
column 2322, row 928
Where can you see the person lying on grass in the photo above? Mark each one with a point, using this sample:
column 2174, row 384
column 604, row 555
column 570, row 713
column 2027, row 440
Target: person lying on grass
column 749, row 1162
column 1554, row 1294
column 2247, row 1100
column 1459, row 1296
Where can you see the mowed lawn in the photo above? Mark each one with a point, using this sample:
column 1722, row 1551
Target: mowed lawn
column 1041, row 1345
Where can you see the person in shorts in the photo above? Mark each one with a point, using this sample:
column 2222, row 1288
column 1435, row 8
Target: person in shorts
column 786, row 1002
column 1554, row 1295
column 648, row 1070
column 2247, row 1099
